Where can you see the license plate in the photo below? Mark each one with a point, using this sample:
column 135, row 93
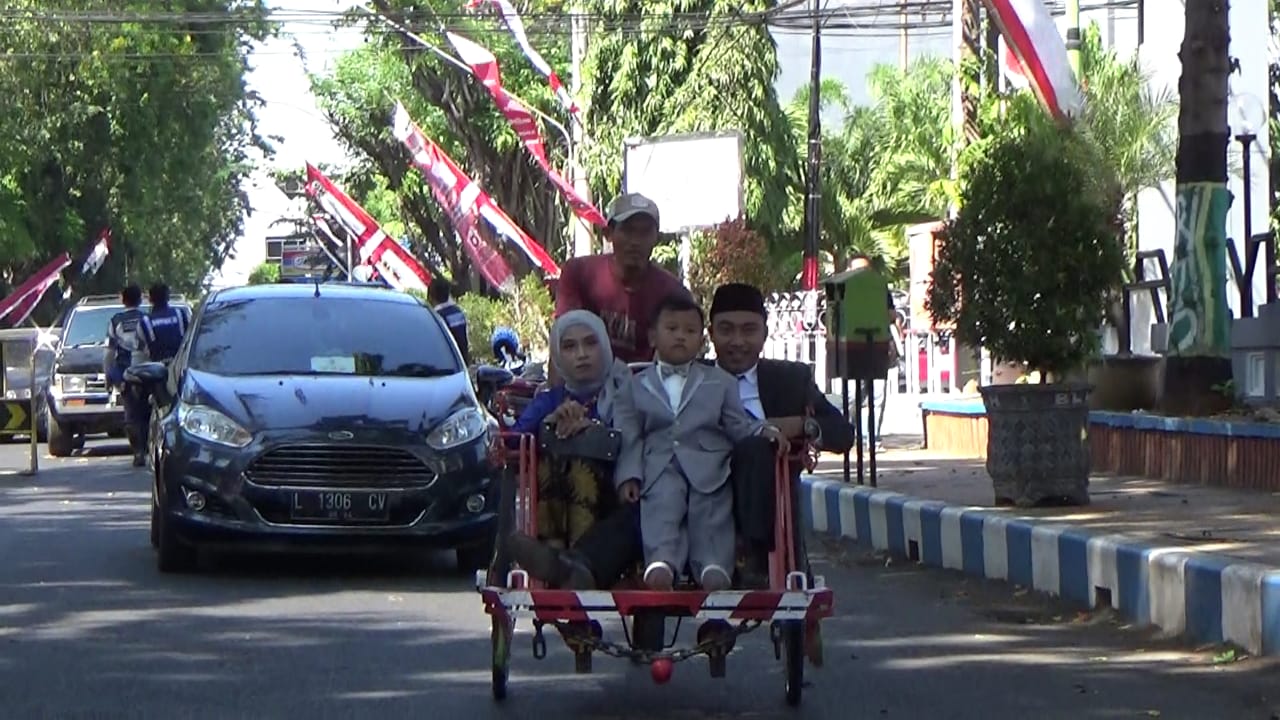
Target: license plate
column 75, row 403
column 340, row 506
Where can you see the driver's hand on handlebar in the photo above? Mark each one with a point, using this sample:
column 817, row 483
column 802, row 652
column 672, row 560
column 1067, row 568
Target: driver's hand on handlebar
column 629, row 491
column 778, row 437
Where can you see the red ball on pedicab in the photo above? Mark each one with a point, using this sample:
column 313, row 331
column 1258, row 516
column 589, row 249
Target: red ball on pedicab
column 661, row 670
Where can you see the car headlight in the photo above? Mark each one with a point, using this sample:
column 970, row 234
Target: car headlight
column 72, row 383
column 461, row 427
column 208, row 424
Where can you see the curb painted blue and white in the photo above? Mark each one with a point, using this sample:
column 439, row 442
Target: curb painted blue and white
column 1204, row 597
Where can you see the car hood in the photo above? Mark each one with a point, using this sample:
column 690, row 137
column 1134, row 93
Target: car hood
column 331, row 402
column 81, row 360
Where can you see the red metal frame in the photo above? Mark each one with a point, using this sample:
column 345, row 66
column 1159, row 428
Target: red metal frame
column 789, row 595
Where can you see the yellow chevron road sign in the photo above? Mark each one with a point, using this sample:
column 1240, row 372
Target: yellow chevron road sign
column 15, row 417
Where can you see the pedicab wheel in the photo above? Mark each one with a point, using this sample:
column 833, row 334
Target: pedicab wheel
column 500, row 639
column 793, row 659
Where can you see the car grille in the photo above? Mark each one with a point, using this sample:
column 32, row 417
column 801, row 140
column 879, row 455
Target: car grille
column 339, row 466
column 95, row 383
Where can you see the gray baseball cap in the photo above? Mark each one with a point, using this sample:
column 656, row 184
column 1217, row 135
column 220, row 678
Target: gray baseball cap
column 631, row 204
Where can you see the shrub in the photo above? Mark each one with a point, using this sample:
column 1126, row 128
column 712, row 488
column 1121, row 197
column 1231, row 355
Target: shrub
column 1026, row 267
column 528, row 310
column 731, row 252
column 264, row 274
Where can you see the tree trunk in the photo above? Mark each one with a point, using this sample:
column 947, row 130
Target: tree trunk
column 1198, row 368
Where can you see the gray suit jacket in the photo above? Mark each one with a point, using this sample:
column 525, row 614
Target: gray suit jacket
column 701, row 432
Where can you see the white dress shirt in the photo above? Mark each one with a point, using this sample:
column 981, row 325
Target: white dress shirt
column 749, row 391
column 673, row 384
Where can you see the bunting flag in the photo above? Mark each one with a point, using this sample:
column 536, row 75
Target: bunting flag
column 401, row 270
column 93, row 260
column 485, row 66
column 463, row 200
column 1010, row 67
column 18, row 306
column 1041, row 52
column 516, row 26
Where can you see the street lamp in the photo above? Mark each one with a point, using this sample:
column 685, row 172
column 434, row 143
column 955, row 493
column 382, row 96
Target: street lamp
column 1247, row 116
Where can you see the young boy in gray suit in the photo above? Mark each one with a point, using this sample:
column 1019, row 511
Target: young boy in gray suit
column 677, row 441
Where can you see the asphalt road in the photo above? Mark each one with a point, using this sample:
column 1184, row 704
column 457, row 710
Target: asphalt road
column 89, row 629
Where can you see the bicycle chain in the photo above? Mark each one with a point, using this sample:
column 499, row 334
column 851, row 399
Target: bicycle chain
column 576, row 639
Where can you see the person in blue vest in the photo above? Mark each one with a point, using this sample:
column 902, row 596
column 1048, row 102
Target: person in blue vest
column 160, row 334
column 452, row 315
column 122, row 343
column 122, row 335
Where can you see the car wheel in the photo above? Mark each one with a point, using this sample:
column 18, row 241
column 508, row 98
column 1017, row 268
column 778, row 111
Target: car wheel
column 155, row 525
column 61, row 442
column 174, row 555
column 476, row 556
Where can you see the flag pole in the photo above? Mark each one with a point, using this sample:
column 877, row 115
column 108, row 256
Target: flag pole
column 813, row 180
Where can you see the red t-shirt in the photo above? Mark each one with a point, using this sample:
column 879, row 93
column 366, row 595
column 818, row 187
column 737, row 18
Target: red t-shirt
column 590, row 283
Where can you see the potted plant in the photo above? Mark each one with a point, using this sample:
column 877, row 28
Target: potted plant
column 1025, row 270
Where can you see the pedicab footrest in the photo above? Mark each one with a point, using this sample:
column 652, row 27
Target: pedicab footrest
column 581, row 606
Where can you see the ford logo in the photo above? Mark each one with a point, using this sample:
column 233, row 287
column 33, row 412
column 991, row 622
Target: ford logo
column 340, row 435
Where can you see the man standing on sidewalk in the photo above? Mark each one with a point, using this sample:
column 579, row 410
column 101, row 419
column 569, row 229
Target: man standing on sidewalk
column 779, row 391
column 453, row 316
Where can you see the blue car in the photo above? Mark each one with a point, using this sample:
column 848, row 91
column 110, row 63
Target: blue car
column 326, row 417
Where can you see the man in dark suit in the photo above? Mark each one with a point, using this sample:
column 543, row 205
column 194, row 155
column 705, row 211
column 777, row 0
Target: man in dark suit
column 779, row 391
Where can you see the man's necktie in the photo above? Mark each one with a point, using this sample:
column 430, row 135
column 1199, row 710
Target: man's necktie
column 744, row 379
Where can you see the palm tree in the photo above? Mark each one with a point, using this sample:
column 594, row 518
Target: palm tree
column 1129, row 123
column 915, row 105
column 857, row 216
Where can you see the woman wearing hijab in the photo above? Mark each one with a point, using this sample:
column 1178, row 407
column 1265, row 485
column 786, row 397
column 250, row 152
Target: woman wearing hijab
column 575, row 492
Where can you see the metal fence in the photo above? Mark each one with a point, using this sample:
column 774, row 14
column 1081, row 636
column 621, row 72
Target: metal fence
column 797, row 332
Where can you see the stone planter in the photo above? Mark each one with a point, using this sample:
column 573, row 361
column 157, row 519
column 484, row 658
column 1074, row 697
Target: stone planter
column 1124, row 383
column 1038, row 443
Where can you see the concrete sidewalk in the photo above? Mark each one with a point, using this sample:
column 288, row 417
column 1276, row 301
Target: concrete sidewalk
column 1196, row 561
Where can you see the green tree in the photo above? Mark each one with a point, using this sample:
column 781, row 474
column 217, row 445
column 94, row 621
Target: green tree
column 658, row 67
column 144, row 127
column 455, row 111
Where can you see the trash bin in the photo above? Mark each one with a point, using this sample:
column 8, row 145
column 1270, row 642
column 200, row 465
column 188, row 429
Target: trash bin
column 857, row 323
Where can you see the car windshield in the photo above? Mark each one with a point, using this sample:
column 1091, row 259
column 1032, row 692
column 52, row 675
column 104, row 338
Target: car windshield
column 88, row 326
column 320, row 336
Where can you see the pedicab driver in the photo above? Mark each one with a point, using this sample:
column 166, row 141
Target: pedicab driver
column 624, row 287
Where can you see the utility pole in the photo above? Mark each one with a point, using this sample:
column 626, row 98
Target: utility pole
column 813, row 178
column 1073, row 36
column 904, row 56
column 582, row 240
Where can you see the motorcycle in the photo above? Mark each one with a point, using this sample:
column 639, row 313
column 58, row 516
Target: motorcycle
column 507, row 386
column 146, row 382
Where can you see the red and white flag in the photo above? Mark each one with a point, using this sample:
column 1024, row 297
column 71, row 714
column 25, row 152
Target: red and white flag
column 93, row 261
column 1011, row 68
column 1041, row 52
column 516, row 26
column 98, row 255
column 466, row 203
column 18, row 306
column 485, row 66
column 400, row 269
